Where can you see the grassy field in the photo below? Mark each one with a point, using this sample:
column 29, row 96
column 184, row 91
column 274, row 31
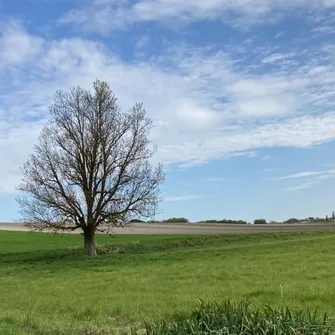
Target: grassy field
column 48, row 287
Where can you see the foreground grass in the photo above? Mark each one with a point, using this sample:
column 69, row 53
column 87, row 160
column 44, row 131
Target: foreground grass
column 240, row 319
column 48, row 287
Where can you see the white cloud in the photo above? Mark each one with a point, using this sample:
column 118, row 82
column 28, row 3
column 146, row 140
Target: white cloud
column 15, row 144
column 276, row 57
column 204, row 103
column 300, row 187
column 280, row 34
column 98, row 18
column 238, row 13
column 301, row 175
column 295, row 132
column 313, row 178
column 189, row 112
column 317, row 174
column 183, row 198
column 16, row 45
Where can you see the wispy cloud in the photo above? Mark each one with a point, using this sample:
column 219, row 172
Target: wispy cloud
column 276, row 57
column 183, row 198
column 240, row 13
column 329, row 174
column 16, row 45
column 208, row 104
column 300, row 187
column 313, row 178
column 280, row 34
column 214, row 179
column 301, row 175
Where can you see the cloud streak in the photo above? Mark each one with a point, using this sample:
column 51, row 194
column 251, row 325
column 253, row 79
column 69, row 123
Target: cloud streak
column 183, row 198
column 300, row 187
column 240, row 13
column 301, row 175
column 313, row 178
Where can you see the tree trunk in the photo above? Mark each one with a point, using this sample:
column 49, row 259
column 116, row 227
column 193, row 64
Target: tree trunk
column 89, row 243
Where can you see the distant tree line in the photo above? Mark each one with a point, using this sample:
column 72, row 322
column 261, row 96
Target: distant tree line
column 176, row 220
column 226, row 221
column 260, row 221
column 310, row 219
column 185, row 220
column 231, row 221
column 170, row 220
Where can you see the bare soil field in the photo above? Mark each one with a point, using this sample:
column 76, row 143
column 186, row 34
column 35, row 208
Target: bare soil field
column 198, row 228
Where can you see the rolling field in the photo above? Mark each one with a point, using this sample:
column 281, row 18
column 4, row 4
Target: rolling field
column 48, row 287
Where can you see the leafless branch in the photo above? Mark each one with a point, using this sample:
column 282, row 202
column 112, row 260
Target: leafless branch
column 91, row 167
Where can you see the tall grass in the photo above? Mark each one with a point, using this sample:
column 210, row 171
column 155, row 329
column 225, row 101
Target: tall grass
column 230, row 318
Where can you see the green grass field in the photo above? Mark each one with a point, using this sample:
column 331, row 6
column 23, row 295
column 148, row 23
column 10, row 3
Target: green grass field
column 48, row 287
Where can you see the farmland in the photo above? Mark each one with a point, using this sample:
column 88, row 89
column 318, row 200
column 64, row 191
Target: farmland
column 49, row 287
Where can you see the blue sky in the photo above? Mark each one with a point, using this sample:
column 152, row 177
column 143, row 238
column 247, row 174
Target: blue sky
column 242, row 94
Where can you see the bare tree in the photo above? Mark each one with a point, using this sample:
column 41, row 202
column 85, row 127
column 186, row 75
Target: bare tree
column 91, row 168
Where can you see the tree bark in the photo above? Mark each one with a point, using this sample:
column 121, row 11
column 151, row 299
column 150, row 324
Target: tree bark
column 89, row 243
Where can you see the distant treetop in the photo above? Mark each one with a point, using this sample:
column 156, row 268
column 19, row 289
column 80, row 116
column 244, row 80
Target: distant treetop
column 176, row 220
column 260, row 221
